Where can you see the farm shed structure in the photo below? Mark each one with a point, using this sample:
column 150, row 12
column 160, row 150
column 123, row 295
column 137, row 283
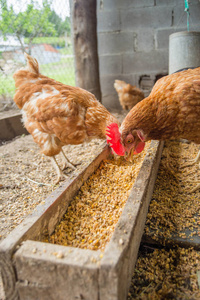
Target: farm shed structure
column 9, row 43
column 133, row 41
column 44, row 53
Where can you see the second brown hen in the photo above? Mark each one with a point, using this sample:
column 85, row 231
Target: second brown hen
column 171, row 111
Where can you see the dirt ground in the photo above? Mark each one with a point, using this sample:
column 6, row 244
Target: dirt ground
column 28, row 177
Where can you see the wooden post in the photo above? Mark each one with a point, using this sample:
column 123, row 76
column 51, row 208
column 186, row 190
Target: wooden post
column 85, row 46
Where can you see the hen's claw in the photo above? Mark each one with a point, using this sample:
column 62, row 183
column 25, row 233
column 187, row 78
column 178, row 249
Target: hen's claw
column 67, row 162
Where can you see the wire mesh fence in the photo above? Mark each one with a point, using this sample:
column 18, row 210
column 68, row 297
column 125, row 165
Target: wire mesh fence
column 42, row 28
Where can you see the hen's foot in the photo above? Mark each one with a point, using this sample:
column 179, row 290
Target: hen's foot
column 66, row 162
column 60, row 175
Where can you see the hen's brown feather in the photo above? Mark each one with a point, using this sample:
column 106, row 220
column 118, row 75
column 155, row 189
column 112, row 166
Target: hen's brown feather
column 172, row 110
column 129, row 95
column 56, row 114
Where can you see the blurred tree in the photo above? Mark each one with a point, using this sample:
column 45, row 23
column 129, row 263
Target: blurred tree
column 61, row 26
column 31, row 23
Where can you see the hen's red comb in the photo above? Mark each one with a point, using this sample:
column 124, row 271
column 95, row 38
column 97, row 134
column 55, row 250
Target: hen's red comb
column 114, row 139
column 112, row 132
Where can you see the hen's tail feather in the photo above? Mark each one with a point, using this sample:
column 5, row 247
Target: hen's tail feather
column 32, row 64
column 20, row 78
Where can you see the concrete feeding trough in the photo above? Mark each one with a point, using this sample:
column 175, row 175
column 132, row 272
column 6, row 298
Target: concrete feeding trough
column 35, row 270
column 11, row 127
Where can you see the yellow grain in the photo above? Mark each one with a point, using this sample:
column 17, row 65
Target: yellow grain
column 93, row 213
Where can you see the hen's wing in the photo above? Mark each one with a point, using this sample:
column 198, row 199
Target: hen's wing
column 53, row 113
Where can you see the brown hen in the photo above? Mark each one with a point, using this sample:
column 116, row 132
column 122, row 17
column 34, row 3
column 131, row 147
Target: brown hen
column 128, row 94
column 171, row 111
column 56, row 114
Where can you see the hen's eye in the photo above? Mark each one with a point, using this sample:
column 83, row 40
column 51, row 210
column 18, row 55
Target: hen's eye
column 129, row 141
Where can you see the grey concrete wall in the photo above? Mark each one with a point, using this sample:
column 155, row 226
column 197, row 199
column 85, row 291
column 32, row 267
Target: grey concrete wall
column 133, row 39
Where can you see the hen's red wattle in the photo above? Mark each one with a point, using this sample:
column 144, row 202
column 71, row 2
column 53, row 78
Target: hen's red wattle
column 139, row 147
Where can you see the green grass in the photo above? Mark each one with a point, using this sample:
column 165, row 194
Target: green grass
column 62, row 71
column 7, row 86
column 68, row 50
column 46, row 40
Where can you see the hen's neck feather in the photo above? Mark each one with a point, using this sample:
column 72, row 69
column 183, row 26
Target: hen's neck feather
column 97, row 119
column 141, row 116
column 171, row 110
column 154, row 116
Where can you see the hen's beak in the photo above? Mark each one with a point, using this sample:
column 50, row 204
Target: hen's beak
column 129, row 155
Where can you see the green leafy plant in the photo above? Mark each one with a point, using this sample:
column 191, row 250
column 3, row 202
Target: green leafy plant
column 30, row 23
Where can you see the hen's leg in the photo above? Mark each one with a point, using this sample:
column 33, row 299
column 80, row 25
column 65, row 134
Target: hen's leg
column 67, row 163
column 60, row 174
